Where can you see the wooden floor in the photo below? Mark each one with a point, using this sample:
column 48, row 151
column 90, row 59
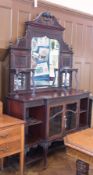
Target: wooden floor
column 58, row 164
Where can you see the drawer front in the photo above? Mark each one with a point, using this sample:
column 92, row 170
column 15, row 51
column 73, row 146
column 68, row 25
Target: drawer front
column 10, row 148
column 1, row 107
column 10, row 134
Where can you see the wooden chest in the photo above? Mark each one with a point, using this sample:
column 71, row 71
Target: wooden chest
column 12, row 138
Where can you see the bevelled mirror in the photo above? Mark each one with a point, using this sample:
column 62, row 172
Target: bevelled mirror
column 44, row 59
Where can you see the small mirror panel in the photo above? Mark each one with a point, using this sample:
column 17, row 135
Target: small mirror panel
column 19, row 81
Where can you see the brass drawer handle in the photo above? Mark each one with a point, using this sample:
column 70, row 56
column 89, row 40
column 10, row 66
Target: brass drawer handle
column 4, row 149
column 4, row 136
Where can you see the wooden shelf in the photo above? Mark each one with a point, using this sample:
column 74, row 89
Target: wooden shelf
column 83, row 111
column 33, row 121
column 32, row 141
column 30, row 160
column 21, row 70
column 34, row 154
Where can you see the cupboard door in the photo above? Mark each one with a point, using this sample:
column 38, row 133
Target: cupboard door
column 83, row 117
column 70, row 117
column 55, row 120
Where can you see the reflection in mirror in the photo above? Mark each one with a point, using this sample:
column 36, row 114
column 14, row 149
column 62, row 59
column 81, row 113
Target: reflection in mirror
column 66, row 79
column 44, row 59
column 19, row 81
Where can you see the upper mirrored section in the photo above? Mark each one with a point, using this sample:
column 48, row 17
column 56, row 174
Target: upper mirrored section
column 38, row 59
column 44, row 60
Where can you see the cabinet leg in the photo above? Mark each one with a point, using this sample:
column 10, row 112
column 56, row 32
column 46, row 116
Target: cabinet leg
column 45, row 150
column 22, row 163
column 82, row 168
column 2, row 164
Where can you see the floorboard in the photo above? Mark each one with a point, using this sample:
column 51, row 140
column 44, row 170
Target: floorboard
column 58, row 164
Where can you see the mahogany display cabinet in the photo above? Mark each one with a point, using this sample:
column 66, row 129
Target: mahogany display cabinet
column 40, row 85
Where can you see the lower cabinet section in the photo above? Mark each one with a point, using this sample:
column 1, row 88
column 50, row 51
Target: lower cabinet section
column 49, row 121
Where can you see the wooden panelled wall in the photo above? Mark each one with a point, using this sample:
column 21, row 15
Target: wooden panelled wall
column 78, row 33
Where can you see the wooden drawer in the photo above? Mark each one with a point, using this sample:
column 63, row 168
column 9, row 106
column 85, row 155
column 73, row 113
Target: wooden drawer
column 9, row 134
column 10, row 148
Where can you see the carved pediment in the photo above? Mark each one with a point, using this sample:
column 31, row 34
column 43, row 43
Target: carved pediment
column 46, row 19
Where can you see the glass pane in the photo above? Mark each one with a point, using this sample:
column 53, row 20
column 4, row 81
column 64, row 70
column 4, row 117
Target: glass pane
column 66, row 79
column 83, row 119
column 71, row 120
column 44, row 59
column 71, row 116
column 55, row 125
column 19, row 81
column 84, row 104
column 72, row 106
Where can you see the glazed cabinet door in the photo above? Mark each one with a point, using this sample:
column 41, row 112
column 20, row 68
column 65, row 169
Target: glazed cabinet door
column 71, row 117
column 84, row 113
column 55, row 120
